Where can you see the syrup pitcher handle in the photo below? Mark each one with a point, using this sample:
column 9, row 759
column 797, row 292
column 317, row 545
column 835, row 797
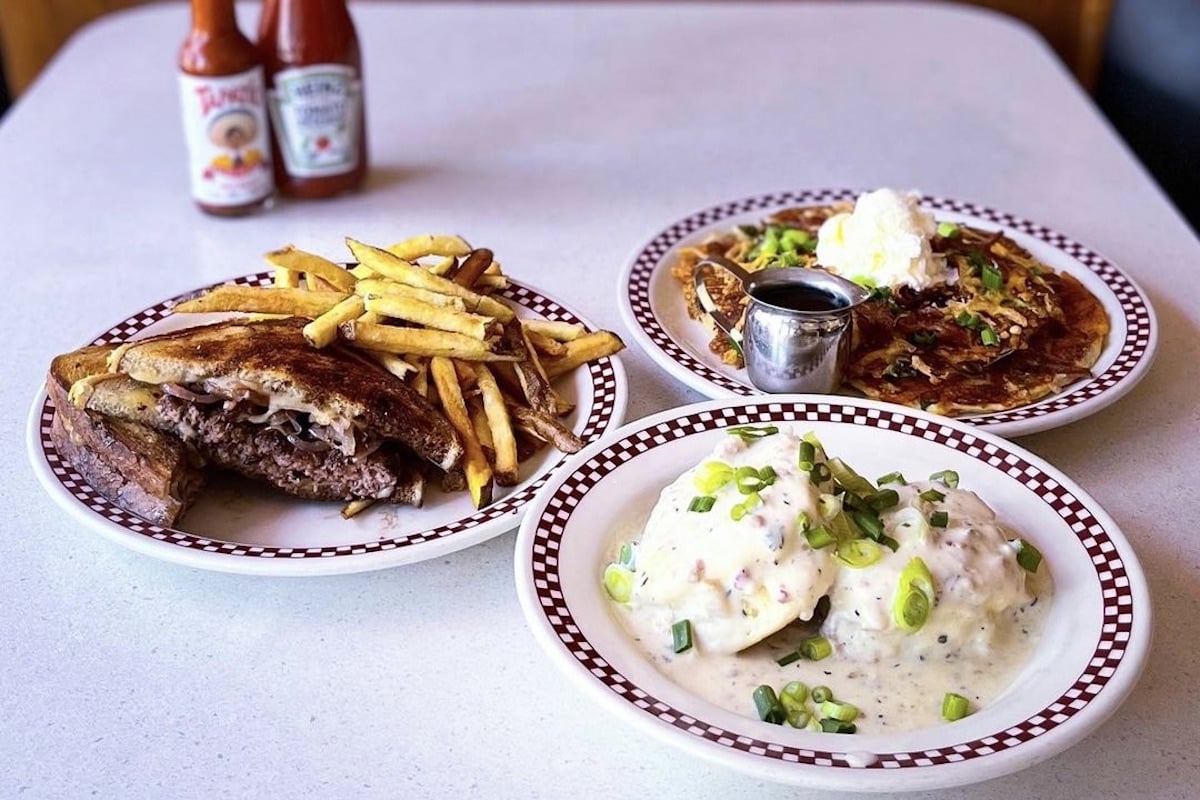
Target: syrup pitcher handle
column 702, row 269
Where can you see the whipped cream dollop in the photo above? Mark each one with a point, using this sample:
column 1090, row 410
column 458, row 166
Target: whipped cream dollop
column 884, row 241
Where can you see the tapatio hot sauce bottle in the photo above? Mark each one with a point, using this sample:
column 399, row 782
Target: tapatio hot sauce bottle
column 224, row 113
column 314, row 90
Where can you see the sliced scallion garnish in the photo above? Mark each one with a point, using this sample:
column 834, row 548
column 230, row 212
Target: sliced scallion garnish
column 831, row 725
column 819, row 537
column 989, row 337
column 947, row 229
column 891, row 477
column 767, row 704
column 789, row 658
column 794, row 693
column 883, row 499
column 628, row 556
column 932, row 496
column 869, row 523
column 848, row 479
column 1028, row 556
column 954, row 707
column 749, row 433
column 814, row 648
column 743, row 508
column 711, row 476
column 836, row 709
column 681, row 636
column 820, row 694
column 910, row 610
column 939, row 519
column 702, row 504
column 618, row 582
column 946, row 477
column 808, row 456
column 991, row 276
column 859, row 553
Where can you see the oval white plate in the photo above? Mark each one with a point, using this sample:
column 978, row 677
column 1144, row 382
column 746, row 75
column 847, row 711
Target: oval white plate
column 1089, row 658
column 653, row 308
column 237, row 526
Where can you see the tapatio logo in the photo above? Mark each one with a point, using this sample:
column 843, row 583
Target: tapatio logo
column 214, row 98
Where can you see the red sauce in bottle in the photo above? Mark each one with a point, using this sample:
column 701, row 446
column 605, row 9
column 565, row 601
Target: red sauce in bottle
column 224, row 113
column 314, row 78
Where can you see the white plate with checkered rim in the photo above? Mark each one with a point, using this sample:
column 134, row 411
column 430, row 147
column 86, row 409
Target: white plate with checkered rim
column 1090, row 655
column 236, row 526
column 652, row 306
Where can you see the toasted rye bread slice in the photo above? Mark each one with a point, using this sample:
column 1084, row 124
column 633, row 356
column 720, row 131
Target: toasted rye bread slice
column 272, row 358
column 144, row 471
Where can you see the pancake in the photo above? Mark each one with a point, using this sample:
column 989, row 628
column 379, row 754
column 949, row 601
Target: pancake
column 1007, row 332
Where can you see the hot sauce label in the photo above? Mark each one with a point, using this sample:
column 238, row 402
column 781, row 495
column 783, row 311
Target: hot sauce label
column 316, row 114
column 224, row 120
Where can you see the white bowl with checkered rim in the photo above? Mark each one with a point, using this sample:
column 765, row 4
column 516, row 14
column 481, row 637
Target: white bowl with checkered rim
column 237, row 526
column 652, row 307
column 1087, row 661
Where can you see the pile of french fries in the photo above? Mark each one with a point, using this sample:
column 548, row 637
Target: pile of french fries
column 424, row 309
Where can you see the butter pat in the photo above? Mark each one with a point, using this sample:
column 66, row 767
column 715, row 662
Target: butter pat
column 884, row 241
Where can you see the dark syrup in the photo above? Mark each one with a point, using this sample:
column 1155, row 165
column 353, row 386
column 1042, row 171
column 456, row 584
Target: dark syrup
column 798, row 297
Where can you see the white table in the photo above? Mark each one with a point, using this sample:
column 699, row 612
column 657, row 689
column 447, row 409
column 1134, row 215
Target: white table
column 562, row 137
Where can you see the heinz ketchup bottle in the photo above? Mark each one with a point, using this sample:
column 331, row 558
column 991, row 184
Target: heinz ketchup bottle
column 224, row 116
column 314, row 79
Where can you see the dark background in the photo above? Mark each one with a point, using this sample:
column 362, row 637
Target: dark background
column 1149, row 88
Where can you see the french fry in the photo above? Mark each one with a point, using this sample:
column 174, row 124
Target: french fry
column 479, row 421
column 354, row 507
column 545, row 427
column 392, row 363
column 584, row 349
column 544, row 344
column 420, row 381
column 312, row 264
column 419, row 341
column 445, row 267
column 386, row 288
column 472, row 267
column 263, row 300
column 362, row 272
column 370, row 317
column 491, row 283
column 494, row 268
column 504, row 443
column 534, row 384
column 554, row 329
column 443, row 319
column 400, row 270
column 475, row 465
column 322, row 331
column 429, row 245
column 286, row 278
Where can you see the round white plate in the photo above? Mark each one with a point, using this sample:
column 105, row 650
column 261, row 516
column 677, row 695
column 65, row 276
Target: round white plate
column 1090, row 655
column 237, row 526
column 653, row 308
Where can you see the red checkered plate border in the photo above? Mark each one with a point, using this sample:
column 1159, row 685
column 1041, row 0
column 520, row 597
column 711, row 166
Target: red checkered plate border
column 653, row 309
column 1089, row 657
column 382, row 537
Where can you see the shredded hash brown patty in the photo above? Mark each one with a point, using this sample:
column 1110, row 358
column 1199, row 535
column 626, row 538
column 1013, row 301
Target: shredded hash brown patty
column 1008, row 332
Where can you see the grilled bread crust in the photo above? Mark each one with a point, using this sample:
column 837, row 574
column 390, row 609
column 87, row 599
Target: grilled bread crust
column 144, row 471
column 273, row 356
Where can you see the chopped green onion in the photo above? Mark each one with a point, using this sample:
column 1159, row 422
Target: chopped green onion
column 628, row 555
column 768, row 706
column 618, row 582
column 681, row 636
column 889, row 543
column 835, row 709
column 917, row 574
column 790, row 658
column 808, row 456
column 749, row 433
column 747, row 480
column 819, row 537
column 768, row 475
column 891, row 477
column 859, row 553
column 820, row 473
column 743, row 508
column 830, row 725
column 939, row 519
column 954, row 707
column 794, row 238
column 869, row 522
column 947, row 229
column 1028, row 556
column 966, row 319
column 932, row 496
column 711, row 476
column 910, row 610
column 848, row 478
column 830, row 505
column 989, row 337
column 702, row 504
column 815, row 648
column 946, row 477
column 883, row 499
column 802, row 522
column 770, row 242
column 798, row 717
column 820, row 694
column 991, row 276
column 923, row 338
column 794, row 693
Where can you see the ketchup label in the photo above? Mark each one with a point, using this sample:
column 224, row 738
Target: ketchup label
column 225, row 123
column 315, row 111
